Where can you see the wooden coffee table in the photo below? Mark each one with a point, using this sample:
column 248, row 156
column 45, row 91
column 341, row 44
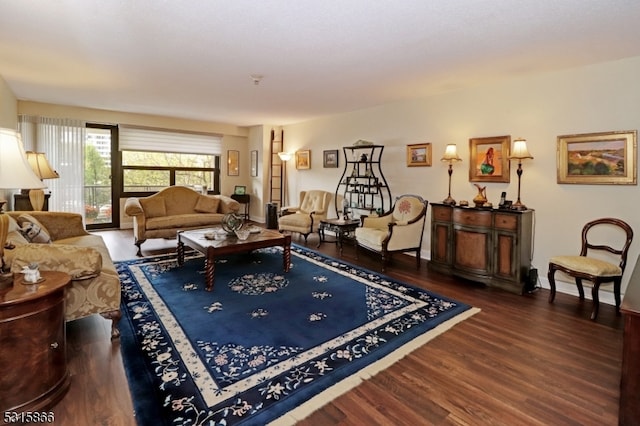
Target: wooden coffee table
column 215, row 248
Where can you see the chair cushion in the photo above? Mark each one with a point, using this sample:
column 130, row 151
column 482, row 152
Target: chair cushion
column 371, row 237
column 587, row 265
column 297, row 220
column 407, row 209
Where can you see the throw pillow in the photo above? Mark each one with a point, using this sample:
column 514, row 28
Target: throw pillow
column 153, row 206
column 34, row 233
column 206, row 204
column 39, row 232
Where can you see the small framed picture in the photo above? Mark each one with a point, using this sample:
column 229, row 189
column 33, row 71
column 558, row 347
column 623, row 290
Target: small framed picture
column 489, row 159
column 330, row 159
column 419, row 154
column 233, row 163
column 240, row 190
column 303, row 159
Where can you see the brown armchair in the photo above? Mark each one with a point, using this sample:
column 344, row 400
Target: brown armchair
column 399, row 230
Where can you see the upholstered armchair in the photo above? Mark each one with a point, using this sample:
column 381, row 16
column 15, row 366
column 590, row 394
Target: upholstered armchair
column 399, row 230
column 306, row 217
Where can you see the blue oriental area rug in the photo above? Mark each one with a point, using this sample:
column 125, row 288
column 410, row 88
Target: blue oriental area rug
column 263, row 346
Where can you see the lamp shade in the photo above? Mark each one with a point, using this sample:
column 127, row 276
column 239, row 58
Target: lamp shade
column 41, row 166
column 285, row 156
column 520, row 150
column 15, row 171
column 451, row 153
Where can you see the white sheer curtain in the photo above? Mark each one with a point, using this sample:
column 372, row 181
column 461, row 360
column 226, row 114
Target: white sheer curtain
column 63, row 142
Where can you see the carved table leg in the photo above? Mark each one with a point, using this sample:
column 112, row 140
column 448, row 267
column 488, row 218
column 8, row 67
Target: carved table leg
column 210, row 269
column 286, row 253
column 180, row 251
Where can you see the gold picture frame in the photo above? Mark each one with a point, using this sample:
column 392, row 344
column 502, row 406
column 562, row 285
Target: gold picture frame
column 489, row 160
column 419, row 155
column 233, row 163
column 605, row 158
column 303, row 159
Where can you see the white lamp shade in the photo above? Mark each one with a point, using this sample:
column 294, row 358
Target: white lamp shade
column 285, row 156
column 40, row 165
column 15, row 171
column 451, row 153
column 520, row 150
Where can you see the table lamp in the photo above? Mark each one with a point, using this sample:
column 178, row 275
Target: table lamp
column 41, row 167
column 519, row 152
column 450, row 156
column 15, row 173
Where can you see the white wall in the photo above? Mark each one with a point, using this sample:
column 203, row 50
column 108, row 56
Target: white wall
column 603, row 97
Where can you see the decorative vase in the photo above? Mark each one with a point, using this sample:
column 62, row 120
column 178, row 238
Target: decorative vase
column 481, row 198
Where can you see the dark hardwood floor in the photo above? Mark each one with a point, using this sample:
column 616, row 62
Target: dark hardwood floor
column 520, row 361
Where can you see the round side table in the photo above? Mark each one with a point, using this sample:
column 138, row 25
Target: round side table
column 33, row 343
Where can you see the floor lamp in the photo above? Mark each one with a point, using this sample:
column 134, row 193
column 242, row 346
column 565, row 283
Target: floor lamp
column 450, row 156
column 41, row 167
column 284, row 157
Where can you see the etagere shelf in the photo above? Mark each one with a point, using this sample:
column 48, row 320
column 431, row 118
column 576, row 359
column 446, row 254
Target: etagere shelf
column 362, row 183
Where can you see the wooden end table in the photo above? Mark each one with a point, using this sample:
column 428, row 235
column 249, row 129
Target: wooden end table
column 33, row 352
column 344, row 229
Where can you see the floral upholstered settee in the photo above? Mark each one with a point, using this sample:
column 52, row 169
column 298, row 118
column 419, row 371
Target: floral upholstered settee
column 175, row 208
column 58, row 241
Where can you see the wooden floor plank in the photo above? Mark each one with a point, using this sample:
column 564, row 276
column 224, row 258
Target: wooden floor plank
column 520, row 361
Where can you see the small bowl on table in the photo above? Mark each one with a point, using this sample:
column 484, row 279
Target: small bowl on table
column 242, row 234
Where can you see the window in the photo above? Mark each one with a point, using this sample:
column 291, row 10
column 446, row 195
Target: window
column 153, row 159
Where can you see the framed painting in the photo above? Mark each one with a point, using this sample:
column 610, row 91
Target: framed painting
column 607, row 158
column 330, row 158
column 303, row 159
column 240, row 190
column 419, row 154
column 233, row 163
column 254, row 163
column 489, row 159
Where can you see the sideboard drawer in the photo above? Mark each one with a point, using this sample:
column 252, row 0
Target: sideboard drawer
column 472, row 217
column 506, row 221
column 441, row 213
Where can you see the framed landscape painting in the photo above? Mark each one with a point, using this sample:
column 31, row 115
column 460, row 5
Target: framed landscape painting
column 489, row 159
column 607, row 158
column 419, row 154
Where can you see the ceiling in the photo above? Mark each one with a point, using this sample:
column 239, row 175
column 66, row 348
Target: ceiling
column 194, row 59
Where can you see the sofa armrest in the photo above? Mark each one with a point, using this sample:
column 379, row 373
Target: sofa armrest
column 132, row 207
column 228, row 205
column 80, row 262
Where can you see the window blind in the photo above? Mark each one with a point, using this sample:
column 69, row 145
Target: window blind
column 159, row 140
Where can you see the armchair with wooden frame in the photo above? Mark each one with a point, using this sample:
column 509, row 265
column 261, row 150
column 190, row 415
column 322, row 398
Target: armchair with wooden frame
column 399, row 230
column 305, row 218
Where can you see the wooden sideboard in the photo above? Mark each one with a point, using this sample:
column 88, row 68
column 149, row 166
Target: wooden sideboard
column 630, row 376
column 491, row 246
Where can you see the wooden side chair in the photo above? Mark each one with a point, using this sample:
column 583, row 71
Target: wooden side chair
column 598, row 271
